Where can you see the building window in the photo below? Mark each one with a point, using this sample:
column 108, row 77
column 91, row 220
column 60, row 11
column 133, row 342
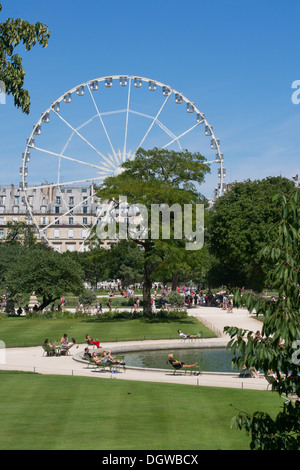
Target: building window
column 84, row 233
column 71, row 220
column 84, row 220
column 2, row 233
column 70, row 233
column 70, row 247
column 56, row 233
column 85, row 210
column 56, row 210
column 57, row 199
column 71, row 200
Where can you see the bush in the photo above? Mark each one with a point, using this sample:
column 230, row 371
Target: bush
column 87, row 298
column 175, row 299
column 172, row 314
column 160, row 314
column 115, row 314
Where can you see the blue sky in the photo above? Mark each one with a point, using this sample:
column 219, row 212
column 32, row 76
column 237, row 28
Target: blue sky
column 236, row 60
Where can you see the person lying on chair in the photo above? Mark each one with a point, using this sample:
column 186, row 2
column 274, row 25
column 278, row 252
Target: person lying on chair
column 90, row 340
column 184, row 336
column 179, row 364
column 106, row 358
column 93, row 356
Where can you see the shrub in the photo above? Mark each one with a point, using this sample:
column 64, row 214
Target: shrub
column 175, row 299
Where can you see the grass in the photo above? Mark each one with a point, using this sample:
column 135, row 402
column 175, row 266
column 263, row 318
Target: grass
column 22, row 331
column 40, row 412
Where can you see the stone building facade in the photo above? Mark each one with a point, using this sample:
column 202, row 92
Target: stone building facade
column 63, row 216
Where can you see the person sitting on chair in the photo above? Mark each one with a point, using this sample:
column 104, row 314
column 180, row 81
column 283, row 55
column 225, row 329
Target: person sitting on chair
column 68, row 345
column 179, row 364
column 64, row 348
column 51, row 346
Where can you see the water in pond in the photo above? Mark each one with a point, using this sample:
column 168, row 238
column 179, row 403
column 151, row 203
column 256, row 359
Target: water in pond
column 210, row 359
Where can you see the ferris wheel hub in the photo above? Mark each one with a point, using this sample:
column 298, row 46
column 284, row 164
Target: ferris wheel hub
column 119, row 171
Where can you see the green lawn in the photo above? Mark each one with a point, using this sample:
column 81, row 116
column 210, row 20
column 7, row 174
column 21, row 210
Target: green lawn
column 53, row 412
column 19, row 332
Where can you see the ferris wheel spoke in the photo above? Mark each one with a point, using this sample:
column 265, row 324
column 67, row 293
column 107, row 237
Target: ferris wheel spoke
column 165, row 129
column 101, row 121
column 69, row 211
column 84, row 139
column 68, row 142
column 181, row 135
column 51, row 185
column 153, row 122
column 90, row 229
column 60, row 155
column 127, row 116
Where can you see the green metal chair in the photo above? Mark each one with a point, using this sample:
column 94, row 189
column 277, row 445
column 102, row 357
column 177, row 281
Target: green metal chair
column 48, row 351
column 121, row 358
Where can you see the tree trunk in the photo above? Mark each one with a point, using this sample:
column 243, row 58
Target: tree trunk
column 175, row 278
column 147, row 282
column 46, row 301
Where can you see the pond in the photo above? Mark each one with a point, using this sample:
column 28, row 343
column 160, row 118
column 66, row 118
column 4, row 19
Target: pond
column 209, row 359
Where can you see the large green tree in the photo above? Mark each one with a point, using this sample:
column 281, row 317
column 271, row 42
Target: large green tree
column 156, row 177
column 239, row 226
column 47, row 273
column 125, row 261
column 12, row 74
column 279, row 349
column 94, row 264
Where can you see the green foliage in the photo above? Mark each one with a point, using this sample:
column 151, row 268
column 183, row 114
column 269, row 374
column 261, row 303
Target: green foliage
column 279, row 348
column 20, row 233
column 157, row 177
column 240, row 225
column 175, row 299
column 12, row 33
column 131, row 315
column 94, row 264
column 125, row 262
column 87, row 298
column 281, row 433
column 47, row 273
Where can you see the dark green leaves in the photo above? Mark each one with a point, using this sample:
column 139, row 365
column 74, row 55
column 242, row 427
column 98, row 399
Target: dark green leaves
column 277, row 351
column 12, row 33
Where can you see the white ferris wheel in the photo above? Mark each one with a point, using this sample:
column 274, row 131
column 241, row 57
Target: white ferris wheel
column 91, row 130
